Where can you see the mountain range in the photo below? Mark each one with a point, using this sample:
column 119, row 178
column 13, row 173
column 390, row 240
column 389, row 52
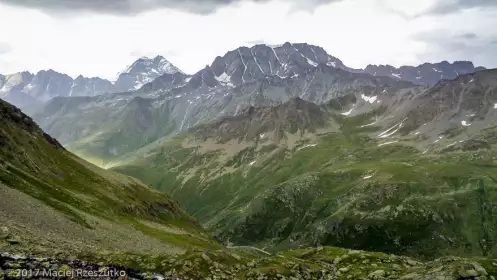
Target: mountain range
column 24, row 88
column 106, row 127
column 98, row 129
column 234, row 68
column 61, row 214
column 282, row 154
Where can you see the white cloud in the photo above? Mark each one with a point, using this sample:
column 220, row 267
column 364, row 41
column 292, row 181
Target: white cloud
column 359, row 32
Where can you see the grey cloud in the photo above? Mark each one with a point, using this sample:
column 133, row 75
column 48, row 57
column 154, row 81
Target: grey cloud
column 442, row 7
column 469, row 36
column 450, row 6
column 137, row 6
column 5, row 48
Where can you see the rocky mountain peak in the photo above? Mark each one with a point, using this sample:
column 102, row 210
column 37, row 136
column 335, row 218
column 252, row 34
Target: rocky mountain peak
column 157, row 64
column 287, row 45
column 143, row 71
column 248, row 64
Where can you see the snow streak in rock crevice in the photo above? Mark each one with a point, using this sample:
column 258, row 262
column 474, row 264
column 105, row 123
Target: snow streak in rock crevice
column 389, row 132
column 306, row 146
column 186, row 115
column 255, row 59
column 244, row 65
column 387, row 143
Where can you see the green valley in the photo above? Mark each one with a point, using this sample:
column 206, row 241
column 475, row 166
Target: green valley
column 328, row 181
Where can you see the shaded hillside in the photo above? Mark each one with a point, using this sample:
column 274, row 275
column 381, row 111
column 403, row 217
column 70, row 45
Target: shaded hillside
column 293, row 117
column 51, row 198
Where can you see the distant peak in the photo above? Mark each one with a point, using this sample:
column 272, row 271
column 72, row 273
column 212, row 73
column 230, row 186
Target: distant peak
column 149, row 58
column 463, row 62
column 50, row 72
column 156, row 66
column 380, row 65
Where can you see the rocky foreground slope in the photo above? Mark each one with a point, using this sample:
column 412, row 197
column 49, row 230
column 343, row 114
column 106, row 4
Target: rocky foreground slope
column 309, row 264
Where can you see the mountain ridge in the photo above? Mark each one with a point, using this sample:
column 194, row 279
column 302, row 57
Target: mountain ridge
column 426, row 73
column 236, row 67
column 181, row 108
column 25, row 89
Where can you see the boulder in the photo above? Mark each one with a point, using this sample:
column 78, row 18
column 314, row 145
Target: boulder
column 378, row 274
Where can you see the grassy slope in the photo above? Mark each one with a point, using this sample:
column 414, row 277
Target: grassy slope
column 53, row 199
column 346, row 191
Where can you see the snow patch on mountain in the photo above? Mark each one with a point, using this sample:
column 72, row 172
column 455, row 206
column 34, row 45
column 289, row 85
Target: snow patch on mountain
column 369, row 124
column 332, row 64
column 306, row 146
column 392, row 130
column 452, row 144
column 387, row 143
column 348, row 112
column 311, row 62
column 369, row 99
column 224, row 78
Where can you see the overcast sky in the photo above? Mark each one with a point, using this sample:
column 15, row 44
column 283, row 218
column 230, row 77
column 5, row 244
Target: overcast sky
column 86, row 37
